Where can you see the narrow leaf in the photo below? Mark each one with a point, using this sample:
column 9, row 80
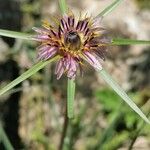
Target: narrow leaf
column 109, row 8
column 14, row 34
column 122, row 94
column 26, row 74
column 63, row 6
column 4, row 139
column 70, row 97
column 128, row 42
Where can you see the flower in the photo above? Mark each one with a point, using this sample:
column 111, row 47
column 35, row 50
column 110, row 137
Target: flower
column 75, row 41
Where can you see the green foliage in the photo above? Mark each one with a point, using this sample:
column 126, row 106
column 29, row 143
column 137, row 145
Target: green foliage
column 111, row 103
column 143, row 4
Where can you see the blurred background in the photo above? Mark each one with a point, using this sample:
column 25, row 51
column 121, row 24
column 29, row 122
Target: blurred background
column 32, row 113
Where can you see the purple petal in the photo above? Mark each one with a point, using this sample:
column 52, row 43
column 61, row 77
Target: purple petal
column 60, row 72
column 64, row 24
column 71, row 74
column 40, row 37
column 47, row 53
column 73, row 69
column 71, row 21
column 58, row 66
column 66, row 61
column 92, row 60
column 40, row 30
column 73, row 64
column 97, row 21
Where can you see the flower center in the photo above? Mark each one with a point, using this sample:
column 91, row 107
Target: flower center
column 73, row 41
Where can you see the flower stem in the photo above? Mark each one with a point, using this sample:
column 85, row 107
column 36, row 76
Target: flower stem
column 64, row 132
column 70, row 97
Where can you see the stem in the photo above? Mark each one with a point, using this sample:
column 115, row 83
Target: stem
column 15, row 34
column 137, row 133
column 4, row 139
column 64, row 132
column 109, row 8
column 27, row 74
column 122, row 94
column 70, row 97
column 63, row 6
column 128, row 42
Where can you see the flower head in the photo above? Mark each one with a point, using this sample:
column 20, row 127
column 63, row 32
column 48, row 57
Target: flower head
column 75, row 41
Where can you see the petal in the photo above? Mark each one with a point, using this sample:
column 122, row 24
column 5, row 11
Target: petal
column 58, row 66
column 92, row 60
column 100, row 52
column 40, row 30
column 71, row 74
column 66, row 61
column 47, row 53
column 97, row 21
column 71, row 21
column 41, row 37
column 73, row 69
column 60, row 72
column 73, row 65
column 64, row 24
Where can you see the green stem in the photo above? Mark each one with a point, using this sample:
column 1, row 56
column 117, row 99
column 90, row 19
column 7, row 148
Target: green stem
column 128, row 42
column 122, row 94
column 15, row 34
column 27, row 74
column 70, row 97
column 4, row 139
column 109, row 8
column 64, row 131
column 63, row 6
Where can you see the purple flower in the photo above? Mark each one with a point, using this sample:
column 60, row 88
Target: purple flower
column 75, row 41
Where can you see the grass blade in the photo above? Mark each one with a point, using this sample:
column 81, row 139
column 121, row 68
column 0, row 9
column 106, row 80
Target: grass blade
column 109, row 8
column 128, row 42
column 70, row 97
column 26, row 74
column 15, row 34
column 122, row 94
column 4, row 139
column 63, row 6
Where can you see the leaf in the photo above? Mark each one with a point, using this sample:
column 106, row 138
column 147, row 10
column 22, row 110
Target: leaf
column 70, row 97
column 4, row 139
column 109, row 8
column 122, row 94
column 128, row 42
column 63, row 6
column 26, row 74
column 14, row 34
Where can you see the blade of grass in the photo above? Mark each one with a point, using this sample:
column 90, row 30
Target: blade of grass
column 109, row 8
column 4, row 139
column 137, row 133
column 128, row 42
column 108, row 133
column 63, row 6
column 122, row 94
column 15, row 34
column 70, row 97
column 27, row 74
